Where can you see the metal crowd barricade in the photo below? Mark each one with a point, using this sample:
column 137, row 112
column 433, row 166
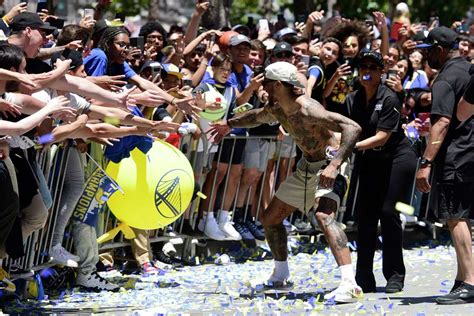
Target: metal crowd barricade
column 53, row 163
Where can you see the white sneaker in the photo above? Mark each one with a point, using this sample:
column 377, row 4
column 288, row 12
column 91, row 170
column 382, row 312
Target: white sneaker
column 345, row 293
column 228, row 229
column 212, row 230
column 94, row 282
column 61, row 256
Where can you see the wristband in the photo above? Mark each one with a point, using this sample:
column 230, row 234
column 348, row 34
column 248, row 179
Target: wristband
column 172, row 101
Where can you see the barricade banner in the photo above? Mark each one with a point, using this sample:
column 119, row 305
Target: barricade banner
column 97, row 191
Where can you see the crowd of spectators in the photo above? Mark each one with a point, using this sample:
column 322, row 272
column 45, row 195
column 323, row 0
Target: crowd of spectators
column 63, row 86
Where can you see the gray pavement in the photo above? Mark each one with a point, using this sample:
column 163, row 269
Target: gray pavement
column 218, row 290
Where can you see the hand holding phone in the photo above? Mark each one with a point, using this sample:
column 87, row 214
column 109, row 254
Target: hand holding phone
column 242, row 108
column 263, row 26
column 138, row 42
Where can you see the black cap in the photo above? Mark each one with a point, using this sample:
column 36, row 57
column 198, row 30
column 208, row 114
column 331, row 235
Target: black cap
column 420, row 36
column 441, row 36
column 282, row 47
column 32, row 20
column 73, row 55
column 373, row 55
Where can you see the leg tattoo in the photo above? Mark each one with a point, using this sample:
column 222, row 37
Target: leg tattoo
column 334, row 232
column 277, row 240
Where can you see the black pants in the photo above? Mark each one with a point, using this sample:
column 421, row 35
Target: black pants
column 385, row 179
column 9, row 204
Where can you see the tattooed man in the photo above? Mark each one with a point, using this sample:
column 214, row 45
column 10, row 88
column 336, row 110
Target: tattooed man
column 316, row 183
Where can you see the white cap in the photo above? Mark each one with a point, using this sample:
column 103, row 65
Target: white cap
column 402, row 7
column 283, row 71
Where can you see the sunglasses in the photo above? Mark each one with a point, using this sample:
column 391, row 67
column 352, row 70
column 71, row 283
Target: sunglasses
column 284, row 55
column 369, row 66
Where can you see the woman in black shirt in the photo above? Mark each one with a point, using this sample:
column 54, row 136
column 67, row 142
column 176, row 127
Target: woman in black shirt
column 387, row 169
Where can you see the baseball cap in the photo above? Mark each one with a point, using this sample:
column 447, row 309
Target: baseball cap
column 238, row 39
column 171, row 69
column 32, row 20
column 441, row 36
column 372, row 55
column 282, row 47
column 73, row 55
column 284, row 32
column 283, row 71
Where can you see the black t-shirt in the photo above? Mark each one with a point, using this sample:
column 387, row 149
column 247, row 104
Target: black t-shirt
column 381, row 113
column 455, row 159
column 469, row 93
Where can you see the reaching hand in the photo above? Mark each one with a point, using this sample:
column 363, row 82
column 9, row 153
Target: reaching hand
column 315, row 16
column 187, row 106
column 201, row 7
column 169, row 127
column 217, row 131
column 87, row 22
column 19, row 8
column 123, row 97
column 8, row 108
column 110, row 82
column 380, row 21
column 26, row 80
column 148, row 98
column 343, row 70
column 74, row 45
column 394, row 83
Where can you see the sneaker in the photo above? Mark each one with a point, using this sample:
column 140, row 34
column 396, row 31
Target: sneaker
column 345, row 293
column 255, row 230
column 456, row 284
column 284, row 285
column 228, row 229
column 61, row 256
column 243, row 231
column 163, row 259
column 395, row 284
column 212, row 230
column 149, row 268
column 94, row 282
column 5, row 283
column 463, row 294
column 16, row 272
column 302, row 226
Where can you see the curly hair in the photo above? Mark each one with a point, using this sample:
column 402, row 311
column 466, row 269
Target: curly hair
column 346, row 28
column 151, row 27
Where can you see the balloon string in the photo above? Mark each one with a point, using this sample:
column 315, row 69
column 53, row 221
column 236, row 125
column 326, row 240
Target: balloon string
column 105, row 173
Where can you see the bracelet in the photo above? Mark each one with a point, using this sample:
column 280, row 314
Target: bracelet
column 7, row 20
column 172, row 101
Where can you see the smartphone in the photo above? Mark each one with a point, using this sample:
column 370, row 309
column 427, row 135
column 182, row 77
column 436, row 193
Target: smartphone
column 138, row 42
column 242, row 108
column 32, row 6
column 120, row 16
column 348, row 61
column 155, row 71
column 57, row 23
column 281, row 17
column 434, row 22
column 369, row 23
column 42, row 5
column 305, row 59
column 463, row 28
column 89, row 13
column 263, row 25
column 423, row 117
column 392, row 73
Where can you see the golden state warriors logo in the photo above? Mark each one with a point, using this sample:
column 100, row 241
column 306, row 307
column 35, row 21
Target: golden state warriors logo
column 168, row 197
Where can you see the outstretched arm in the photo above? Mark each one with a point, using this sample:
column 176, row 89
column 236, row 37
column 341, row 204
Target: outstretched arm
column 249, row 119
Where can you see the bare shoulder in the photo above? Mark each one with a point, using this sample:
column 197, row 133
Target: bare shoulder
column 311, row 106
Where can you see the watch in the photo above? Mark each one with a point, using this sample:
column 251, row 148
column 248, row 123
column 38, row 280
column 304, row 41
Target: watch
column 425, row 162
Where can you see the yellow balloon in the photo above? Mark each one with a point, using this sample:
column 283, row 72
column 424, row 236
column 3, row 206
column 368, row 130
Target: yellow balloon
column 158, row 186
column 214, row 115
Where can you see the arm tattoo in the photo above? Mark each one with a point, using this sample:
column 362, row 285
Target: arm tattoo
column 334, row 232
column 252, row 118
column 277, row 240
column 338, row 123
